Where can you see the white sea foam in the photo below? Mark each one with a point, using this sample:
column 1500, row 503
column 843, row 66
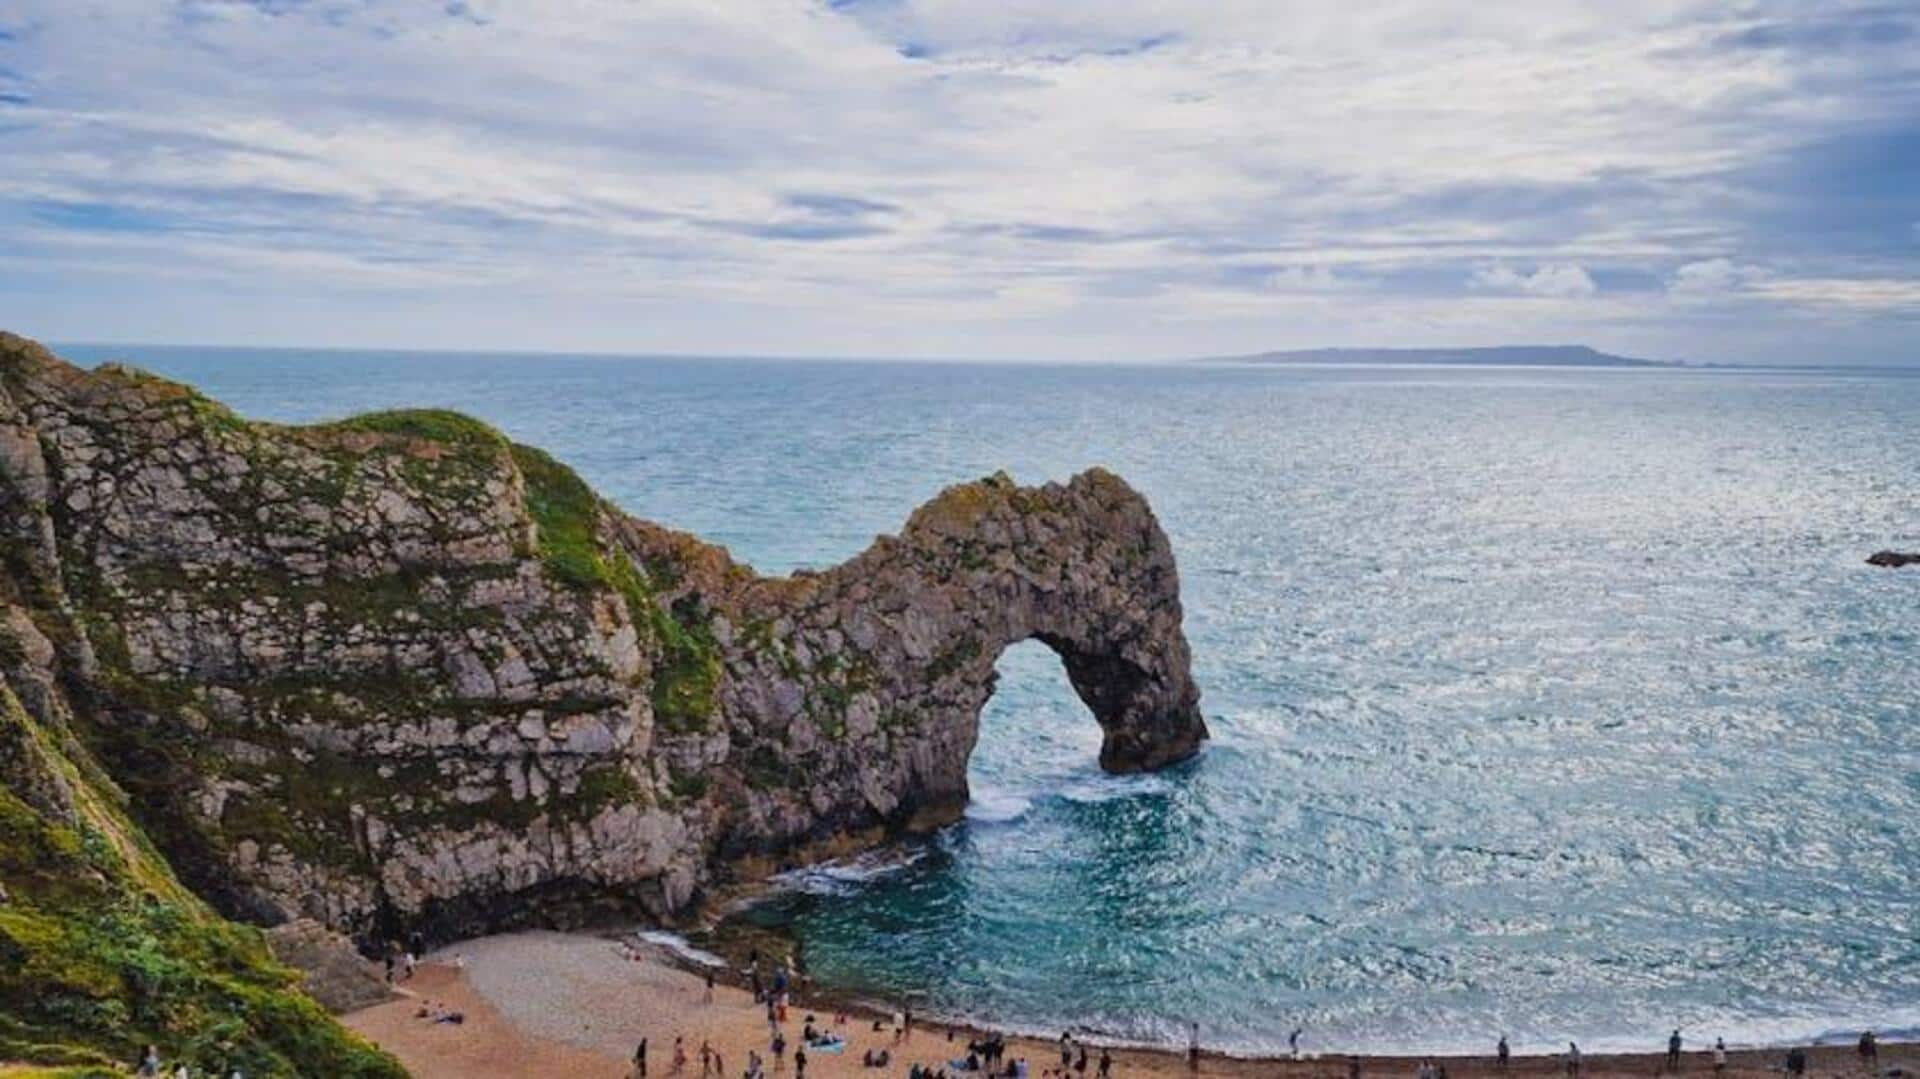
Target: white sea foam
column 991, row 806
column 679, row 946
column 847, row 875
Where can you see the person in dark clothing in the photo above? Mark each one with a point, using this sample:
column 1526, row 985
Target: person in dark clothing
column 800, row 1064
column 1869, row 1050
column 1673, row 1052
column 640, row 1060
column 1796, row 1061
column 1106, row 1065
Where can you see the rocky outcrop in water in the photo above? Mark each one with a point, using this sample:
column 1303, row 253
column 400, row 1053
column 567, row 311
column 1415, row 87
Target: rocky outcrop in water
column 1894, row 559
column 396, row 671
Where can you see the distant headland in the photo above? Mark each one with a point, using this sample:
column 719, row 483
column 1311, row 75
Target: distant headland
column 1495, row 356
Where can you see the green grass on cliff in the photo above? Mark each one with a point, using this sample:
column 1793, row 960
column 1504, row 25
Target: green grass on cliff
column 449, row 428
column 102, row 952
column 565, row 510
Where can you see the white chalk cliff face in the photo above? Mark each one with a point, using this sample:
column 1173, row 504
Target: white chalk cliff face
column 396, row 671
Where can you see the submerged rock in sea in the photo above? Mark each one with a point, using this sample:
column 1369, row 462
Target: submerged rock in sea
column 397, row 672
column 1893, row 558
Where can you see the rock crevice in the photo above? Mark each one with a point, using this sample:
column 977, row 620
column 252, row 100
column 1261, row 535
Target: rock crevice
column 396, row 671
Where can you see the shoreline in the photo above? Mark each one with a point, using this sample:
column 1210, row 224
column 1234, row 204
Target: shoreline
column 546, row 1003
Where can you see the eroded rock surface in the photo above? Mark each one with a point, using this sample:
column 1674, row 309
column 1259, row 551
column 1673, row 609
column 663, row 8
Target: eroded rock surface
column 396, row 671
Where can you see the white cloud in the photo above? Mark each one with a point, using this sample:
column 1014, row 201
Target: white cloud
column 1038, row 161
column 1848, row 293
column 1560, row 281
column 1712, row 277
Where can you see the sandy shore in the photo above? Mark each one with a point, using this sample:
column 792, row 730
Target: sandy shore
column 554, row 1004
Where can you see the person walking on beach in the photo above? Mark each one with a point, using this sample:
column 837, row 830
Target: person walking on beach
column 708, row 999
column 679, row 1055
column 1719, row 1056
column 1106, row 1065
column 1673, row 1051
column 1503, row 1056
column 1573, row 1061
column 800, row 1063
column 640, row 1060
column 779, row 1047
column 706, row 1057
column 1869, row 1051
column 1426, row 1069
column 1193, row 1045
column 1293, row 1043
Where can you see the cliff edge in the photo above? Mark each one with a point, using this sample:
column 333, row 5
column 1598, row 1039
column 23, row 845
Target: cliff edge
column 398, row 673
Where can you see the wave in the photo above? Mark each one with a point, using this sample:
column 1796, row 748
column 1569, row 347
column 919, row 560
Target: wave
column 991, row 806
column 679, row 946
column 846, row 876
column 1093, row 790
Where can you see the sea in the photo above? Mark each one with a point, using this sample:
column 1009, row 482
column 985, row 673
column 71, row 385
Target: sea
column 1553, row 703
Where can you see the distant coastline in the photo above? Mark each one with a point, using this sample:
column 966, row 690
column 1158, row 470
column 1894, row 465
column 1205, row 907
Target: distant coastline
column 1494, row 356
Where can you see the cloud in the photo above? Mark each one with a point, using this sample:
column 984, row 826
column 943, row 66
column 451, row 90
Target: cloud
column 1712, row 277
column 1560, row 281
column 1853, row 293
column 1134, row 176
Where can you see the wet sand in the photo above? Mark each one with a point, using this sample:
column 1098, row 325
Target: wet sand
column 554, row 1004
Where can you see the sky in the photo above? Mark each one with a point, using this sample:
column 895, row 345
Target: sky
column 1127, row 179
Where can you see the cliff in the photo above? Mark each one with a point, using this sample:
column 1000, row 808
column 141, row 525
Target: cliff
column 397, row 672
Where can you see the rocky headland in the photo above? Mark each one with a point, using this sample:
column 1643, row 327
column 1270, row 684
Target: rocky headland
column 397, row 674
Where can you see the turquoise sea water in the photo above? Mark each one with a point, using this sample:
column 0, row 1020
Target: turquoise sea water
column 1558, row 703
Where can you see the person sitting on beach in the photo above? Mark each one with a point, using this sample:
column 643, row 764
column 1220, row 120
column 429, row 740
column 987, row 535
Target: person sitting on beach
column 808, row 1033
